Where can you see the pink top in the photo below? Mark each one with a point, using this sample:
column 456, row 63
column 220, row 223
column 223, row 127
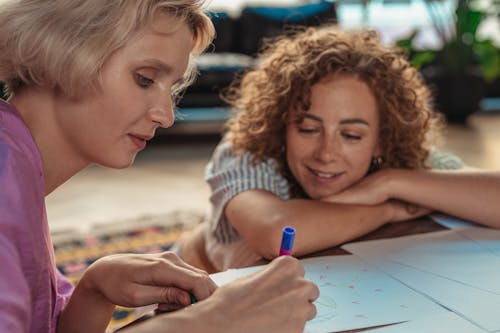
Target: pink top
column 32, row 291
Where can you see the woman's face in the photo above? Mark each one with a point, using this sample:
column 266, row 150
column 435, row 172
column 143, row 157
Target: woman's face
column 331, row 149
column 135, row 96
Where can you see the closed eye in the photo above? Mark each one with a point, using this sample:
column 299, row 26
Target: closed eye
column 143, row 81
column 307, row 130
column 351, row 137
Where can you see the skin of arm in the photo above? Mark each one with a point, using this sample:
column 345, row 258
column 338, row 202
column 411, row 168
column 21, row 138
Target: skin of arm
column 467, row 193
column 97, row 309
column 131, row 280
column 259, row 216
column 257, row 303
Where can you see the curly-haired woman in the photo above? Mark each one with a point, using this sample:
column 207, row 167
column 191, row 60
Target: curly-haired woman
column 334, row 135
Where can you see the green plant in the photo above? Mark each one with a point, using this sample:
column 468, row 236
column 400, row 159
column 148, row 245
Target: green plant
column 463, row 51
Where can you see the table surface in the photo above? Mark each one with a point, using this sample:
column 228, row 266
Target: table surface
column 391, row 230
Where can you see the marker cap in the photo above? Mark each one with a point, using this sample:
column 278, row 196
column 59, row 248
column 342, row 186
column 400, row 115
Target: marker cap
column 287, row 240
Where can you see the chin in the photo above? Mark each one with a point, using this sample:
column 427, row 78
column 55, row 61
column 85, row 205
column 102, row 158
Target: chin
column 118, row 164
column 315, row 195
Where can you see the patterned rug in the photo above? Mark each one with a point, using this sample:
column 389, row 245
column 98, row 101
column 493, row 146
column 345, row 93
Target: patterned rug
column 148, row 234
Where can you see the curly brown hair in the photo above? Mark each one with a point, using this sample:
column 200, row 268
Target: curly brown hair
column 291, row 64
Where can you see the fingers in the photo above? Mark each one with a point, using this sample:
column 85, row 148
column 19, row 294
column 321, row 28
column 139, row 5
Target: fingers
column 311, row 313
column 412, row 209
column 172, row 257
column 403, row 211
column 287, row 265
column 168, row 307
column 135, row 280
column 169, row 270
column 275, row 299
column 284, row 283
column 415, row 210
column 300, row 290
column 285, row 276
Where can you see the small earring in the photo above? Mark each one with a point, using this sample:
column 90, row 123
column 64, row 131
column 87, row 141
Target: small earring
column 376, row 163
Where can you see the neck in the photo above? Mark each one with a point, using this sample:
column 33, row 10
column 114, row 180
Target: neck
column 38, row 108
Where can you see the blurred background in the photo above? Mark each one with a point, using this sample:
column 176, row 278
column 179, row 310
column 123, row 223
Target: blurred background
column 455, row 44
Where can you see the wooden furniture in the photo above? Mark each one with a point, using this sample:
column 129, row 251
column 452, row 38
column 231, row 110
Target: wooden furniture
column 391, row 230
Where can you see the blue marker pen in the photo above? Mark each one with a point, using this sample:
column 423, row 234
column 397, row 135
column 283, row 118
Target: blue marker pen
column 287, row 241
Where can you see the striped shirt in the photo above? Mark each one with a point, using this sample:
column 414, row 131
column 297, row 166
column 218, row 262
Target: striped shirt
column 228, row 174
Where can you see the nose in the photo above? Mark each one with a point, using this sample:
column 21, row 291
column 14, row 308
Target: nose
column 326, row 149
column 162, row 113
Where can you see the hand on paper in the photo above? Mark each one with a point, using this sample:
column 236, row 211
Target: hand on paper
column 135, row 280
column 276, row 299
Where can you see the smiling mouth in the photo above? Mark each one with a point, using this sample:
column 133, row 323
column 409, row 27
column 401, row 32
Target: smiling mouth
column 325, row 175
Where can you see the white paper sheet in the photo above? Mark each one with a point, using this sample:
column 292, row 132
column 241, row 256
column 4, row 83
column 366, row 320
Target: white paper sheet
column 487, row 238
column 450, row 221
column 448, row 322
column 479, row 306
column 353, row 295
column 455, row 257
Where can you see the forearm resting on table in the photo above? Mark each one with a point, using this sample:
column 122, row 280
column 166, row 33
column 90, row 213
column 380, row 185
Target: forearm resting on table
column 319, row 224
column 468, row 194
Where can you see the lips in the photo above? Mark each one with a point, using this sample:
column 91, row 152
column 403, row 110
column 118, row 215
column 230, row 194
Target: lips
column 139, row 141
column 325, row 175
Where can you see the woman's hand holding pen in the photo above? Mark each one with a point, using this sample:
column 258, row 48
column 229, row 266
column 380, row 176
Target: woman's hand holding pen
column 142, row 279
column 276, row 299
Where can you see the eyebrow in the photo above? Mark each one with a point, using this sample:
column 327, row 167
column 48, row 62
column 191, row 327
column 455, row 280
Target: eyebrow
column 346, row 121
column 160, row 64
column 165, row 68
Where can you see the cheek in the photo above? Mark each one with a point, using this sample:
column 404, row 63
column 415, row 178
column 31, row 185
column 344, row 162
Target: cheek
column 295, row 150
column 361, row 159
column 290, row 157
column 123, row 110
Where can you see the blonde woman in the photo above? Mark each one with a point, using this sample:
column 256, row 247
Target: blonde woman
column 90, row 81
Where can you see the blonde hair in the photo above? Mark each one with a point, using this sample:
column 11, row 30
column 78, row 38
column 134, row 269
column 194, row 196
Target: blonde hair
column 64, row 43
column 291, row 64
